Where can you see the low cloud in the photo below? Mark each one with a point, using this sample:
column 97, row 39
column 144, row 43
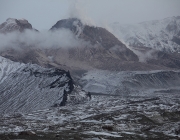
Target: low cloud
column 46, row 39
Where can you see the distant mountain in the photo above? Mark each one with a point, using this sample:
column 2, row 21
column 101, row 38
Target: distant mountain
column 12, row 24
column 28, row 87
column 157, row 34
column 100, row 50
column 110, row 53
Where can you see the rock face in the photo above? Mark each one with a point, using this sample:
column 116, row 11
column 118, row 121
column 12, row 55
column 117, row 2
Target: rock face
column 27, row 87
column 73, row 24
column 157, row 34
column 11, row 25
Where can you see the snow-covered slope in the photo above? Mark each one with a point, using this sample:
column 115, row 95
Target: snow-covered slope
column 135, row 116
column 158, row 34
column 7, row 67
column 27, row 87
column 127, row 82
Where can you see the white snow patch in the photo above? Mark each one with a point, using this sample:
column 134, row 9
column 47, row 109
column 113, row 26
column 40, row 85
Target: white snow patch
column 103, row 134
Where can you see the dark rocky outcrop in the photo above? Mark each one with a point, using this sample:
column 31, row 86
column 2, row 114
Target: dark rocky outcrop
column 71, row 24
column 27, row 133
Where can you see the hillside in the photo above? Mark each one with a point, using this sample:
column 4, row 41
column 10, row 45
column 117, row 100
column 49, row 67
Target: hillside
column 26, row 87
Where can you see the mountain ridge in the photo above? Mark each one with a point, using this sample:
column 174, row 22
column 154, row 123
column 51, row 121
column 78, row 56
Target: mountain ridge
column 100, row 50
column 157, row 34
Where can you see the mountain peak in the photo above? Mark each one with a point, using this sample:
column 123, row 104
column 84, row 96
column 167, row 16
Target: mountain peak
column 12, row 24
column 66, row 23
column 96, row 36
column 73, row 24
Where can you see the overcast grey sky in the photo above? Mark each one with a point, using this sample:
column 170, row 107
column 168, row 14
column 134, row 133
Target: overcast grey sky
column 43, row 14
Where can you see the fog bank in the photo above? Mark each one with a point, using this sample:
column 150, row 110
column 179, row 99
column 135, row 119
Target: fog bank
column 46, row 39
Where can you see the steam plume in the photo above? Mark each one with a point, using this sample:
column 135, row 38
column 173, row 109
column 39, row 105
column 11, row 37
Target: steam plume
column 77, row 10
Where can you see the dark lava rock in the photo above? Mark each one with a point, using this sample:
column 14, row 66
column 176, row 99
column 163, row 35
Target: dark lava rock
column 27, row 133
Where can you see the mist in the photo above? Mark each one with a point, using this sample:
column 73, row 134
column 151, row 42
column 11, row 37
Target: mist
column 62, row 38
column 145, row 56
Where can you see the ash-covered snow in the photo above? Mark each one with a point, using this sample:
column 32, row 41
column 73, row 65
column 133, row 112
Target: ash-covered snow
column 148, row 114
column 99, row 81
column 140, row 117
column 7, row 67
column 126, row 104
column 28, row 87
column 102, row 133
column 124, row 82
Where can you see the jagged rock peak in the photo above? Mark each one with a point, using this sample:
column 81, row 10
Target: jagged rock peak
column 73, row 24
column 12, row 24
column 67, row 23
